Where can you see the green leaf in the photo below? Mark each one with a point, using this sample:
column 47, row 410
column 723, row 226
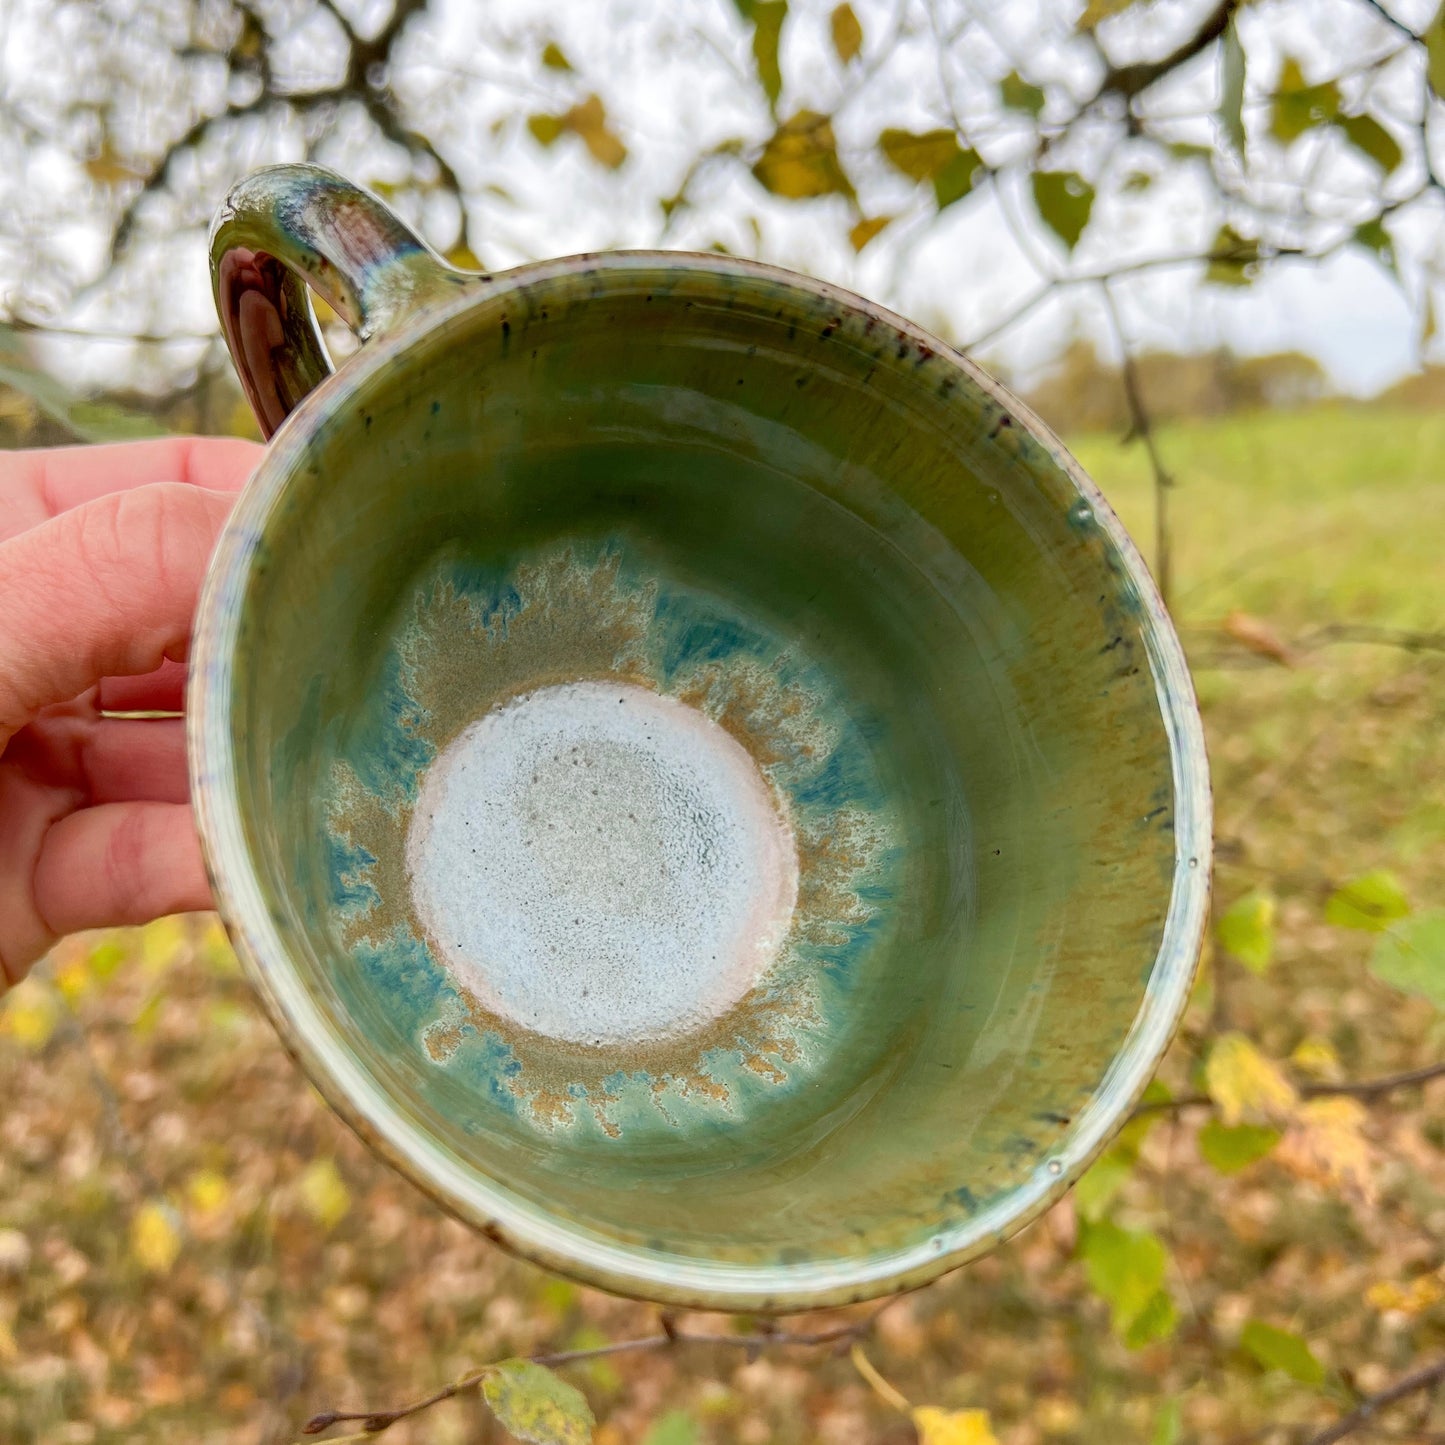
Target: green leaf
column 536, row 1405
column 847, row 32
column 1018, row 94
column 1231, row 87
column 1156, row 1321
column 1168, row 1423
column 801, row 160
column 1435, row 52
column 1246, row 930
column 1298, row 106
column 1230, row 1148
column 1370, row 903
column 934, row 156
column 106, row 957
column 956, row 179
column 768, row 17
column 1184, row 150
column 1231, row 259
column 1374, row 237
column 553, row 58
column 1127, row 1268
column 1366, row 134
column 1278, row 1349
column 1064, row 199
column 1411, row 957
column 677, row 1427
column 87, row 421
column 1095, row 1191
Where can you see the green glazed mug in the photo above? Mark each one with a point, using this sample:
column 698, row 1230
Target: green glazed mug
column 696, row 774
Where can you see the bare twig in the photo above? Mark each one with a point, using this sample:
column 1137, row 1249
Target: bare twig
column 1142, row 430
column 373, row 1422
column 1380, row 636
column 1131, row 80
column 1042, row 292
column 1425, row 1378
column 1385, row 15
column 85, row 333
column 1367, row 1089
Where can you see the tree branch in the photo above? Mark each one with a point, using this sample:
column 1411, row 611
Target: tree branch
column 1381, row 636
column 1142, row 429
column 1422, row 1379
column 1366, row 1089
column 1131, row 80
column 360, row 83
column 1390, row 20
column 373, row 1422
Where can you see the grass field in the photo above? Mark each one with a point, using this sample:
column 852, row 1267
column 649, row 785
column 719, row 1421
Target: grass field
column 193, row 1250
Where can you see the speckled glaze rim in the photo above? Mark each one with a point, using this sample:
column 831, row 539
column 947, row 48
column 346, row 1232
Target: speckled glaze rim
column 525, row 1228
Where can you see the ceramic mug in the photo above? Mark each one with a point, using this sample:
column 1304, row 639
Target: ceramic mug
column 696, row 774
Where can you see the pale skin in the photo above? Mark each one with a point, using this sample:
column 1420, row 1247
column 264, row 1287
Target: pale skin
column 102, row 554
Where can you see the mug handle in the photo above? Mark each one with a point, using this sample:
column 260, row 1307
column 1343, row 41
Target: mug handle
column 290, row 227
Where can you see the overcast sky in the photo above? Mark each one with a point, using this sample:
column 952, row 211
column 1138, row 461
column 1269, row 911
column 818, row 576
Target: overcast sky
column 674, row 79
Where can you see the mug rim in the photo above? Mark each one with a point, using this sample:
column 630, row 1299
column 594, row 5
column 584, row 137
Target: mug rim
column 527, row 1229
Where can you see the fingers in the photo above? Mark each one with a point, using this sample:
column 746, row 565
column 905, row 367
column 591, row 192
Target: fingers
column 38, row 485
column 103, row 760
column 137, row 761
column 107, row 589
column 28, row 810
column 163, row 690
column 117, row 864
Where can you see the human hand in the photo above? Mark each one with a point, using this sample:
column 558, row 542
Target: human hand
column 102, row 552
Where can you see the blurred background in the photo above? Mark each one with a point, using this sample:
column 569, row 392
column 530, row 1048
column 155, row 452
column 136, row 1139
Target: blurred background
column 1204, row 238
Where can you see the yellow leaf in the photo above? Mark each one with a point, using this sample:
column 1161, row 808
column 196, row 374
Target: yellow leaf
column 554, row 58
column 30, row 1014
column 208, row 1191
column 214, row 948
column 847, row 33
column 865, row 230
column 154, row 1239
column 464, row 258
column 546, row 128
column 801, row 159
column 588, row 119
column 1245, row 1084
column 1097, row 10
column 324, row 1195
column 72, row 978
column 1326, row 1145
column 1258, row 637
column 323, row 310
column 1414, row 1299
column 953, row 1427
column 107, row 169
column 163, row 943
column 1316, row 1057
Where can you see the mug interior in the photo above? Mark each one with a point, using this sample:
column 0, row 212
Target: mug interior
column 875, row 572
